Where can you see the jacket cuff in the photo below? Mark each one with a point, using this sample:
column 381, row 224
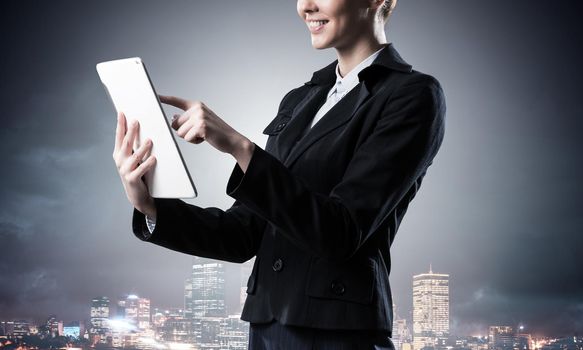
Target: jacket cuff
column 139, row 225
column 238, row 181
column 247, row 186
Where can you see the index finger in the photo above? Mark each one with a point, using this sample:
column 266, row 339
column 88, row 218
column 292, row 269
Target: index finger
column 175, row 101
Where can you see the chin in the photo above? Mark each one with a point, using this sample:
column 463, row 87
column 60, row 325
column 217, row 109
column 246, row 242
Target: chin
column 320, row 44
column 318, row 47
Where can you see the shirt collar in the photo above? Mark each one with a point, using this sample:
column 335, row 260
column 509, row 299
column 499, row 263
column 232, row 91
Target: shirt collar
column 387, row 59
column 351, row 79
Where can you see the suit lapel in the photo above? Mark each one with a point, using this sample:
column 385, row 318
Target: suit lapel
column 338, row 115
column 290, row 142
column 301, row 117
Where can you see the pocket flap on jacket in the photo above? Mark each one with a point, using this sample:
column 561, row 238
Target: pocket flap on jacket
column 349, row 281
column 278, row 123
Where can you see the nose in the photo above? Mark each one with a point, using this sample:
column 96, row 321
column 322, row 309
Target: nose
column 305, row 7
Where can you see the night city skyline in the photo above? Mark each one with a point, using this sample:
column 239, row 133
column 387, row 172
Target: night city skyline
column 133, row 322
column 180, row 305
column 499, row 210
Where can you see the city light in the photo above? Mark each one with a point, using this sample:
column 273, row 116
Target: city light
column 152, row 343
column 121, row 325
column 179, row 346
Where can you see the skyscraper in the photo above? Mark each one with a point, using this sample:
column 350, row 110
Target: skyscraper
column 99, row 320
column 137, row 311
column 188, row 307
column 143, row 313
column 120, row 310
column 401, row 332
column 235, row 334
column 204, row 292
column 430, row 310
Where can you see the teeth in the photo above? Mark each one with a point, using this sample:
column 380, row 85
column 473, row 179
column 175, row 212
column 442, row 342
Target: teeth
column 316, row 23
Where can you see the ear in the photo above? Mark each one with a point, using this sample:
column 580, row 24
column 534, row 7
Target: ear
column 375, row 4
column 375, row 7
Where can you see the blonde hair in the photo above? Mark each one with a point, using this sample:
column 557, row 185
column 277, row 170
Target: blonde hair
column 387, row 8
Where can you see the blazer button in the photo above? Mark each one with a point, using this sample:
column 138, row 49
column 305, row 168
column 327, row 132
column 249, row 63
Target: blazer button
column 337, row 288
column 277, row 265
column 279, row 126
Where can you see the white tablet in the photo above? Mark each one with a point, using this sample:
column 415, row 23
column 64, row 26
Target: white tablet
column 131, row 91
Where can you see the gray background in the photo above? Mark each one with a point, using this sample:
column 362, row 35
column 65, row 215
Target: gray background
column 499, row 210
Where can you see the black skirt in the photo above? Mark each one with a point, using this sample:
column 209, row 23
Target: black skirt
column 275, row 336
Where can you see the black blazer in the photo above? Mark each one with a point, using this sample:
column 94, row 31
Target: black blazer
column 320, row 211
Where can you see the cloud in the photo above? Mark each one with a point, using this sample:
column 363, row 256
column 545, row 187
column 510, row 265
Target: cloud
column 488, row 306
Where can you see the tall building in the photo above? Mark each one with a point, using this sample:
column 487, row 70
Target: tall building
column 401, row 333
column 501, row 338
column 120, row 310
column 430, row 310
column 99, row 320
column 137, row 311
column 131, row 309
column 506, row 338
column 188, row 307
column 210, row 329
column 523, row 340
column 204, row 292
column 143, row 313
column 235, row 333
column 176, row 329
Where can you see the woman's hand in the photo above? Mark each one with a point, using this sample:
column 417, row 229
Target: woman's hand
column 128, row 166
column 199, row 123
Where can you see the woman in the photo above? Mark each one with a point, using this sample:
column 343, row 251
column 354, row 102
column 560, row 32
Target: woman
column 320, row 205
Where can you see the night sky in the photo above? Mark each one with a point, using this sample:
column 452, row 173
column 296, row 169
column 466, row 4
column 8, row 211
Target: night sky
column 500, row 209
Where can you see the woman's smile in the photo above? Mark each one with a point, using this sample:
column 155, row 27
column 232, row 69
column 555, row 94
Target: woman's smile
column 340, row 23
column 316, row 26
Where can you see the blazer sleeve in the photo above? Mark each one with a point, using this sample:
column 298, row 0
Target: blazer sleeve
column 402, row 145
column 231, row 235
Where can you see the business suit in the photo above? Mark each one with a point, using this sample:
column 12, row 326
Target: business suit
column 321, row 210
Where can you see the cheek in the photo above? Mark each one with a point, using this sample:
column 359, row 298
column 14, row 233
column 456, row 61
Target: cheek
column 351, row 15
column 341, row 27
